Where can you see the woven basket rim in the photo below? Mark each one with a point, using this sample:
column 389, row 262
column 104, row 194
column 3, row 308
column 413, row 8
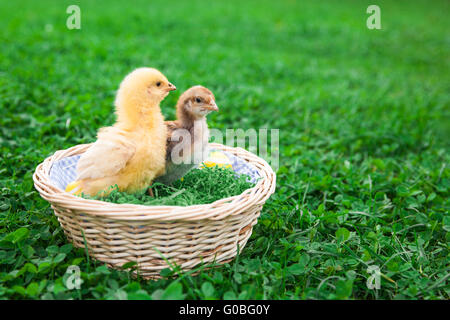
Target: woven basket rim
column 219, row 209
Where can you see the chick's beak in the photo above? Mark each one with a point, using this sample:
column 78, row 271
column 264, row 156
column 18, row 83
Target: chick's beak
column 171, row 87
column 213, row 107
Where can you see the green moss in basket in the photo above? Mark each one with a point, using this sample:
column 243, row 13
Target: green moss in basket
column 197, row 187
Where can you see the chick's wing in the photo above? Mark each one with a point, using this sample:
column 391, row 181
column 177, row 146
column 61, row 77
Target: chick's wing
column 172, row 126
column 106, row 157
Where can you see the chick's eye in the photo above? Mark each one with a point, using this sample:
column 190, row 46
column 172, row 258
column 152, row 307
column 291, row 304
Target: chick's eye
column 198, row 100
column 158, row 84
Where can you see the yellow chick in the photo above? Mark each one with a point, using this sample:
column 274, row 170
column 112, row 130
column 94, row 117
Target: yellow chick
column 131, row 153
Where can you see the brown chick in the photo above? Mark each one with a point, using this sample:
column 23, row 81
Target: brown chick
column 131, row 153
column 187, row 137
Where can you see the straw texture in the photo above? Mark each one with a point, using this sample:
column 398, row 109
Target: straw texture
column 186, row 236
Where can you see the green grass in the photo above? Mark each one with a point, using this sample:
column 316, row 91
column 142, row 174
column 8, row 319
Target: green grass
column 198, row 186
column 364, row 126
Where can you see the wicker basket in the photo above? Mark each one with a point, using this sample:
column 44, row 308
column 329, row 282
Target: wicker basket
column 150, row 235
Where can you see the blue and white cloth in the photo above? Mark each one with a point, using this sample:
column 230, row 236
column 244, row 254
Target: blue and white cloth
column 63, row 171
column 240, row 166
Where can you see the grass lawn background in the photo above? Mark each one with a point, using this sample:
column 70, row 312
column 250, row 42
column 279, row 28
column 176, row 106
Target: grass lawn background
column 364, row 126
